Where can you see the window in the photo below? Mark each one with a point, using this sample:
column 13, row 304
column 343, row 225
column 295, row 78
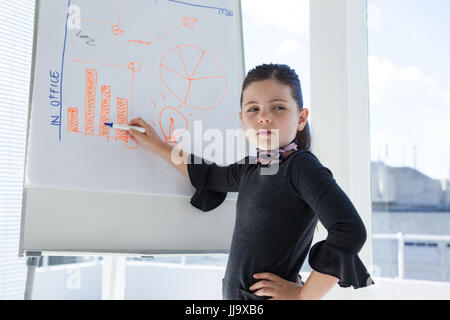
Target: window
column 278, row 33
column 410, row 149
column 53, row 279
column 16, row 36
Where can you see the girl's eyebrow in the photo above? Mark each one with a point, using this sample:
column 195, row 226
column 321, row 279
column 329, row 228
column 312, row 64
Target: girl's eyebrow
column 274, row 100
column 251, row 102
column 277, row 100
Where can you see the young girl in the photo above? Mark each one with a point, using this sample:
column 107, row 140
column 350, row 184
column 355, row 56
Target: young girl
column 277, row 214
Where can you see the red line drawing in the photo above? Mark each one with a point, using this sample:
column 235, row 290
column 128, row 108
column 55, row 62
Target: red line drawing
column 118, row 12
column 153, row 101
column 178, row 74
column 187, row 22
column 89, row 109
column 199, row 61
column 116, row 30
column 105, row 111
column 182, row 61
column 187, row 93
column 146, row 43
column 135, row 67
column 175, row 119
column 206, row 78
column 115, row 26
column 100, row 63
column 122, row 118
column 190, row 90
column 72, row 120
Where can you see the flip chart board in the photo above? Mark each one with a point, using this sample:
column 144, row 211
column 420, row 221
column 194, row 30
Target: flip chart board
column 91, row 188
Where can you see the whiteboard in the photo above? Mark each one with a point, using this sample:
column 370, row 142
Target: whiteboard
column 90, row 188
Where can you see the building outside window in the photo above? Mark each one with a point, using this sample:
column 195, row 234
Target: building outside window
column 410, row 150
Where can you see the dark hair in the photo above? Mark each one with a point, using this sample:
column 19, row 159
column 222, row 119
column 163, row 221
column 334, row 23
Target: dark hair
column 287, row 76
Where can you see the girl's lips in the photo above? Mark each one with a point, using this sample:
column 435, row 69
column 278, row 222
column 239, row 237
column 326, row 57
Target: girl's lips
column 265, row 132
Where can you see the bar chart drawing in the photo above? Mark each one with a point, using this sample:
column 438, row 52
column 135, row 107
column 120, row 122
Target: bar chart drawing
column 105, row 111
column 123, row 108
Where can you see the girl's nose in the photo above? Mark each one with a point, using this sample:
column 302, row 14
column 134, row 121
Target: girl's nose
column 264, row 119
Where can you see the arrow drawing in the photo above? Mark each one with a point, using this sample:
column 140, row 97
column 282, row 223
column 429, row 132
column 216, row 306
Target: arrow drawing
column 186, row 22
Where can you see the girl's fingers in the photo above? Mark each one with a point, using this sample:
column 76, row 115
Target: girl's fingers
column 262, row 284
column 132, row 122
column 137, row 135
column 264, row 293
column 138, row 121
column 266, row 275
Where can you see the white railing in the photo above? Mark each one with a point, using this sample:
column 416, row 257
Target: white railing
column 442, row 241
column 401, row 238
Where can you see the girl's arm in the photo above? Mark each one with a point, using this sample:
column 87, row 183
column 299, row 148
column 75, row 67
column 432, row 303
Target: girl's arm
column 210, row 181
column 151, row 140
column 317, row 286
column 337, row 255
column 170, row 152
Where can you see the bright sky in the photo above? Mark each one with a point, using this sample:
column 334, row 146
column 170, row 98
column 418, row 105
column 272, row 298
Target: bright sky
column 278, row 32
column 410, row 83
column 408, row 69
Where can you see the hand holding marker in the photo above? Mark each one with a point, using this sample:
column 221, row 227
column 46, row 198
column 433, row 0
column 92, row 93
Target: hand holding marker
column 142, row 132
column 124, row 127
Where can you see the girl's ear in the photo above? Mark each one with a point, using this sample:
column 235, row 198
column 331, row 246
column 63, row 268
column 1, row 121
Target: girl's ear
column 240, row 116
column 303, row 119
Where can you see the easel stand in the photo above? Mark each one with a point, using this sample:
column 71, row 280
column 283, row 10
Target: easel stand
column 113, row 275
column 32, row 262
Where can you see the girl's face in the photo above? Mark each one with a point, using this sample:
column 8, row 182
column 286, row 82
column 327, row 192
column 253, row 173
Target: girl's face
column 269, row 105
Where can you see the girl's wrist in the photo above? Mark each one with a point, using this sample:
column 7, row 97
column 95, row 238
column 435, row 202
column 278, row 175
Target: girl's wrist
column 299, row 295
column 164, row 150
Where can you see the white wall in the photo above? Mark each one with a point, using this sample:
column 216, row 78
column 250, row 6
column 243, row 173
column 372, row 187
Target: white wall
column 340, row 101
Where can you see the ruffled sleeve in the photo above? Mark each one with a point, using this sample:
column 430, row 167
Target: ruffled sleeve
column 346, row 266
column 338, row 254
column 212, row 183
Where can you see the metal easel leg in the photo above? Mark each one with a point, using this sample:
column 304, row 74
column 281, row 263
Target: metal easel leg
column 32, row 263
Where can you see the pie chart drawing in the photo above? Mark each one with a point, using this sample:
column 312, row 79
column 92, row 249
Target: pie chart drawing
column 194, row 77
